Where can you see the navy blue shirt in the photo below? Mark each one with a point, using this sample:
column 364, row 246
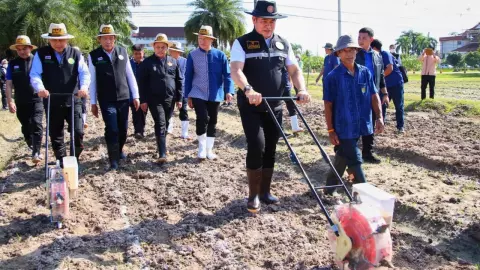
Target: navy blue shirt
column 329, row 63
column 395, row 78
column 369, row 60
column 351, row 96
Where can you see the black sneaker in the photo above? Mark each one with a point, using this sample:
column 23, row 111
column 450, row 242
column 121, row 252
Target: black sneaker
column 371, row 159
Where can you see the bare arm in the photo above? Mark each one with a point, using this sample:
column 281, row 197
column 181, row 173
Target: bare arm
column 9, row 91
column 377, row 108
column 328, row 114
column 388, row 70
column 237, row 74
column 319, row 75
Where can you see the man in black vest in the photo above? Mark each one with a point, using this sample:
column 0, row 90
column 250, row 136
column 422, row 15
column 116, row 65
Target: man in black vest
column 112, row 75
column 58, row 68
column 28, row 106
column 259, row 61
column 160, row 81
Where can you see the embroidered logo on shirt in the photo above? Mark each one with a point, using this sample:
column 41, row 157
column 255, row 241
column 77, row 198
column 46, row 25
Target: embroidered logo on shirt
column 71, row 61
column 120, row 57
column 48, row 57
column 364, row 89
column 279, row 45
column 253, row 45
column 169, row 64
column 154, row 68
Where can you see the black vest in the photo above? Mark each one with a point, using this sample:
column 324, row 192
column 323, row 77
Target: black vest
column 265, row 67
column 60, row 77
column 111, row 75
column 159, row 80
column 24, row 92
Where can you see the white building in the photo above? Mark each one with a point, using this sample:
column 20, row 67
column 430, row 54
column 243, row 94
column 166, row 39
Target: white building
column 146, row 35
column 465, row 42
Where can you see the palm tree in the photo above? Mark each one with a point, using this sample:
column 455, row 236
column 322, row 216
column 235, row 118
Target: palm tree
column 224, row 16
column 297, row 48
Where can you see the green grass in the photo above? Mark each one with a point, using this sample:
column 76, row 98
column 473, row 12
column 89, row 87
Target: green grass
column 456, row 93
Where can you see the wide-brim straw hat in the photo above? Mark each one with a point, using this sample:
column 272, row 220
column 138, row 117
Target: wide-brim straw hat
column 205, row 31
column 57, row 31
column 266, row 9
column 346, row 41
column 161, row 38
column 22, row 40
column 176, row 46
column 106, row 30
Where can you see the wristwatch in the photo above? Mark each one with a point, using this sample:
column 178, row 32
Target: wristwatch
column 247, row 87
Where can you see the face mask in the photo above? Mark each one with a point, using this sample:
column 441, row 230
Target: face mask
column 392, row 50
column 5, row 66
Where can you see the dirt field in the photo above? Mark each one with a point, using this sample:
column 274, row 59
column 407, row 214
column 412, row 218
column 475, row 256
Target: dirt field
column 191, row 215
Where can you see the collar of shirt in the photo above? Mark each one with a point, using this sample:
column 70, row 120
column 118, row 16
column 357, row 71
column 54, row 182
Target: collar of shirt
column 268, row 41
column 109, row 53
column 343, row 69
column 59, row 56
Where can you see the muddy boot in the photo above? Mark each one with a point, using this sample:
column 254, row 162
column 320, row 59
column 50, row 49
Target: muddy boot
column 254, row 182
column 202, row 146
column 162, row 149
column 185, row 125
column 265, row 195
column 113, row 156
column 340, row 164
column 170, row 126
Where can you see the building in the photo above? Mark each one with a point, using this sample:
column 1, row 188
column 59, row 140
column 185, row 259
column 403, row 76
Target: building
column 468, row 41
column 146, row 35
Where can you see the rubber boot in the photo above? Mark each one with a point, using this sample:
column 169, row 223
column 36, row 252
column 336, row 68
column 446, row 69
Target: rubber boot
column 202, row 146
column 265, row 195
column 36, row 156
column 210, row 143
column 162, row 149
column 170, row 126
column 294, row 122
column 254, row 183
column 113, row 155
column 340, row 164
column 185, row 130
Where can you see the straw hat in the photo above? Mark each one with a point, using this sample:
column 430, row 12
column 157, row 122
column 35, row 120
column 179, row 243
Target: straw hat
column 205, row 31
column 57, row 31
column 106, row 30
column 345, row 41
column 266, row 9
column 22, row 40
column 161, row 38
column 176, row 46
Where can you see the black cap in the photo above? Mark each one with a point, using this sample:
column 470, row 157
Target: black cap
column 266, row 9
column 328, row 46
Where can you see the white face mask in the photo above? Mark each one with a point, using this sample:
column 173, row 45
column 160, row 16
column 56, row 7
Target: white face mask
column 5, row 66
column 392, row 50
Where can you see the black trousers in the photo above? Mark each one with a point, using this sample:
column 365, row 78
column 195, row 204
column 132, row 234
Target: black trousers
column 430, row 81
column 262, row 137
column 183, row 111
column 138, row 119
column 3, row 87
column 207, row 114
column 84, row 105
column 30, row 116
column 115, row 116
column 58, row 115
column 160, row 111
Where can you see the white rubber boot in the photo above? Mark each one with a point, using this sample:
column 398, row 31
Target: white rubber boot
column 185, row 129
column 294, row 122
column 84, row 118
column 210, row 143
column 202, row 146
column 170, row 126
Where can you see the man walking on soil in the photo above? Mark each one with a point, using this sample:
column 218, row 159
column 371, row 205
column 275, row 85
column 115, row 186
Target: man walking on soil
column 28, row 106
column 429, row 71
column 329, row 63
column 112, row 82
column 394, row 82
column 3, row 83
column 373, row 61
column 160, row 82
column 259, row 62
column 58, row 69
column 207, row 81
column 176, row 51
column 349, row 96
column 138, row 116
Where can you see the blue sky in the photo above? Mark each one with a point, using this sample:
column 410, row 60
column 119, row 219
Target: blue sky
column 315, row 21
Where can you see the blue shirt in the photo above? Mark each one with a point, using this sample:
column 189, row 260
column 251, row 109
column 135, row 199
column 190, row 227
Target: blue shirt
column 369, row 60
column 351, row 97
column 395, row 78
column 182, row 64
column 329, row 63
column 207, row 75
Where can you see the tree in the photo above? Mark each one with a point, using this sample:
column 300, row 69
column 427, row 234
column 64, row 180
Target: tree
column 297, row 48
column 472, row 59
column 411, row 63
column 454, row 59
column 224, row 16
column 411, row 42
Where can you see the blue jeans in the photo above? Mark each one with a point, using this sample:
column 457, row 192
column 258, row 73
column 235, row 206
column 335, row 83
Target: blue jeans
column 395, row 93
column 115, row 116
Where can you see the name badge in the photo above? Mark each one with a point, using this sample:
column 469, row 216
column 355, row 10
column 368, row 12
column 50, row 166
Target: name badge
column 16, row 67
column 100, row 58
column 154, row 68
column 48, row 57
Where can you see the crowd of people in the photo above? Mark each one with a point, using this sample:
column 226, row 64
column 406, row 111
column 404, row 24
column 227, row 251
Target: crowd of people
column 359, row 79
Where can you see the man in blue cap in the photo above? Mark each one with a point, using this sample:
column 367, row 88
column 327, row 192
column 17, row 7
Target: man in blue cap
column 259, row 61
column 349, row 96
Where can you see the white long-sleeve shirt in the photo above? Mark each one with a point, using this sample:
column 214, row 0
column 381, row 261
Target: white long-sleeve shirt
column 132, row 82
